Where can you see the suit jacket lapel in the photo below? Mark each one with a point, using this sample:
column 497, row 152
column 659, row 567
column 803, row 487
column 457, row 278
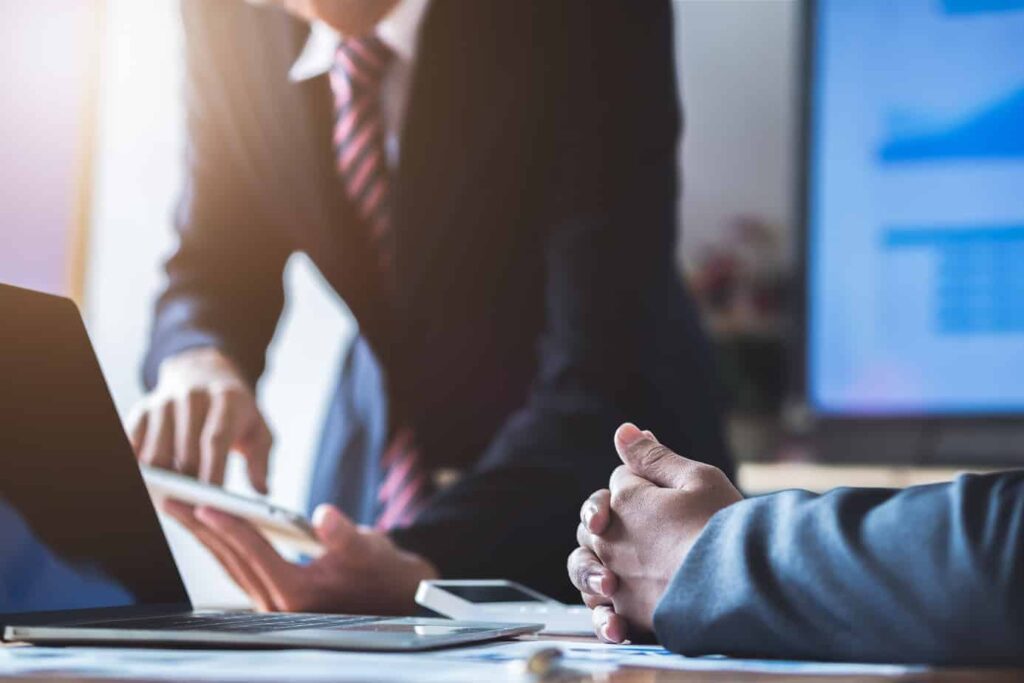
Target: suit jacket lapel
column 456, row 110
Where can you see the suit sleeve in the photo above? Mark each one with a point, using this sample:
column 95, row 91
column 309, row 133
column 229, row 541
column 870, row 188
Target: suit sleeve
column 611, row 290
column 930, row 574
column 224, row 279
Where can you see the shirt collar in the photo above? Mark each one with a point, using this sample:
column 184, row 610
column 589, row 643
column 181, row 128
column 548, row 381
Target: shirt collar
column 399, row 30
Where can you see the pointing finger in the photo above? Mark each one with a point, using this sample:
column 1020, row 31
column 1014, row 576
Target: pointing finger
column 189, row 417
column 158, row 446
column 255, row 447
column 218, row 435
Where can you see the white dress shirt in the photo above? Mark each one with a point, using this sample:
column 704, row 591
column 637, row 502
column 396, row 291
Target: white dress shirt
column 399, row 30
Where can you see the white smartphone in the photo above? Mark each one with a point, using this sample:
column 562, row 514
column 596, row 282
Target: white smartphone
column 503, row 601
column 278, row 524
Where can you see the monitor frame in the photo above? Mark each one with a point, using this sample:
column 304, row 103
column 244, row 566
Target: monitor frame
column 904, row 438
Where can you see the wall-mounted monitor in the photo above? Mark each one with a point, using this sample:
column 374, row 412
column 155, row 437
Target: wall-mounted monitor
column 913, row 241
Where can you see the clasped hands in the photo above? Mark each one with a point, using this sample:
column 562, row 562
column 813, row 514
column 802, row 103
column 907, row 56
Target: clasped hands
column 635, row 534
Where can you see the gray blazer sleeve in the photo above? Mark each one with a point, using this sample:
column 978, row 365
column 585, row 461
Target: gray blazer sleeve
column 931, row 574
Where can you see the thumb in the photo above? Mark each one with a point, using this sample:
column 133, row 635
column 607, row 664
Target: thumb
column 333, row 528
column 647, row 458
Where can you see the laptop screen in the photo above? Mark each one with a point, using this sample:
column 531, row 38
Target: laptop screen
column 77, row 529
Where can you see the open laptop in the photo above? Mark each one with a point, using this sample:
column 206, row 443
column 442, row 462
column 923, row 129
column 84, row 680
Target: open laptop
column 82, row 556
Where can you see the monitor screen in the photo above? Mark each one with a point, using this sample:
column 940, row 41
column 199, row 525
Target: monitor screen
column 915, row 208
column 77, row 529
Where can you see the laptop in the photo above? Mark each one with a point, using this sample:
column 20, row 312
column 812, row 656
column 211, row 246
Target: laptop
column 83, row 559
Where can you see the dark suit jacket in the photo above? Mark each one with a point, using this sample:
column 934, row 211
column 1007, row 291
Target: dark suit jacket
column 931, row 574
column 537, row 302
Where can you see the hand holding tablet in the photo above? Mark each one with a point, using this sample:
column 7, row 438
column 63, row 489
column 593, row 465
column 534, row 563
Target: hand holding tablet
column 278, row 524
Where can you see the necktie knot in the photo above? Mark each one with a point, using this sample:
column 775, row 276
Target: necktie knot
column 363, row 61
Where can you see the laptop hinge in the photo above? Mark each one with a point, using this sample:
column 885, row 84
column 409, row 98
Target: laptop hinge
column 66, row 617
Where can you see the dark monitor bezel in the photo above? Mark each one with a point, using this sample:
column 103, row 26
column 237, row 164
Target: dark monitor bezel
column 909, row 438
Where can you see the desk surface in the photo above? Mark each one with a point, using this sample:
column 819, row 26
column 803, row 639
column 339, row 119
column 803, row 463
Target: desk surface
column 623, row 675
column 662, row 676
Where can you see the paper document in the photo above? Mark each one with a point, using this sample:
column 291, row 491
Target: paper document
column 300, row 666
column 594, row 657
column 496, row 663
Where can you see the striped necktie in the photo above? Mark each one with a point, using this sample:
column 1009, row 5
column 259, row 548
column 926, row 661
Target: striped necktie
column 360, row 65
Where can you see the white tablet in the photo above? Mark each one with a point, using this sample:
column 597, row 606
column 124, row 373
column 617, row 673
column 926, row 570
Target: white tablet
column 503, row 601
column 279, row 525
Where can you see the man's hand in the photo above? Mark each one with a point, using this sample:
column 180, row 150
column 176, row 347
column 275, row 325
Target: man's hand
column 361, row 572
column 636, row 534
column 201, row 410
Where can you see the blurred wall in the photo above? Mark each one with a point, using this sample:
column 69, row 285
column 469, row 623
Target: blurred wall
column 44, row 49
column 738, row 64
column 140, row 153
column 735, row 61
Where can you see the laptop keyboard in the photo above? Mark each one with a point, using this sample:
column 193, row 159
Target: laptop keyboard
column 242, row 622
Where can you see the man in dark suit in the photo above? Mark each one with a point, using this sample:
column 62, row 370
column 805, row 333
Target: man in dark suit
column 929, row 574
column 507, row 248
